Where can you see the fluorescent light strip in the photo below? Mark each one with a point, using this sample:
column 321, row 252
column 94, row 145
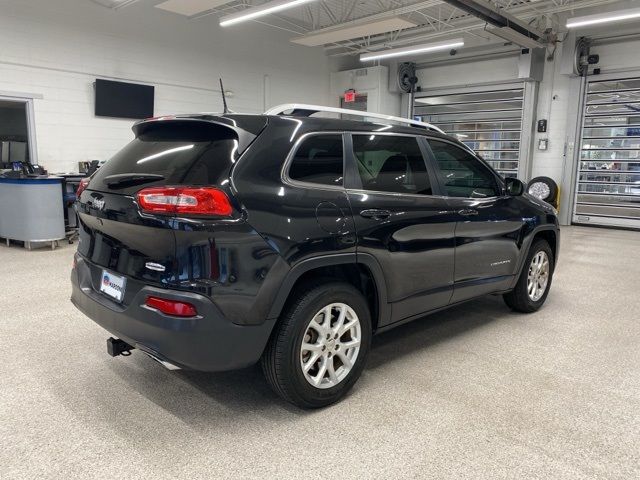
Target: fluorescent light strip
column 260, row 11
column 415, row 49
column 599, row 18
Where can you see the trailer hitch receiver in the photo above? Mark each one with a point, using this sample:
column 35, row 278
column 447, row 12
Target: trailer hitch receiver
column 116, row 347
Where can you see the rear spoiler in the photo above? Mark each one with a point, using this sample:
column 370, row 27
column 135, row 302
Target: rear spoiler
column 244, row 138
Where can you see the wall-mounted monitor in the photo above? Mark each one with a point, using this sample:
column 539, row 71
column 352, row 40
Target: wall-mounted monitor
column 123, row 100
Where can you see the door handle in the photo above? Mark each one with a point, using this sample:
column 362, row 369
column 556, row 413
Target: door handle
column 375, row 214
column 468, row 212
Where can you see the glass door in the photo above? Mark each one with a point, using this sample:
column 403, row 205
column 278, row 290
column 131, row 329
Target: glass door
column 15, row 144
column 608, row 180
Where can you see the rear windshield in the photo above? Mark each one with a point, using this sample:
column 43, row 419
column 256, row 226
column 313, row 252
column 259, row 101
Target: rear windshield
column 191, row 154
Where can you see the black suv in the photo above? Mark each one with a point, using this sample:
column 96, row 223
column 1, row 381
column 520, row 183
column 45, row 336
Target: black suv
column 211, row 242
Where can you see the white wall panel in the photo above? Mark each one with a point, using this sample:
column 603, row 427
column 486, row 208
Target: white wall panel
column 57, row 49
column 554, row 98
column 503, row 69
column 372, row 81
column 619, row 55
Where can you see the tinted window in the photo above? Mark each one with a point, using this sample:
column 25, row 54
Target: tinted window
column 463, row 175
column 391, row 163
column 182, row 154
column 318, row 160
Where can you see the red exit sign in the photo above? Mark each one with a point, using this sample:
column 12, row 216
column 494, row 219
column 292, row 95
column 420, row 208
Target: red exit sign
column 349, row 97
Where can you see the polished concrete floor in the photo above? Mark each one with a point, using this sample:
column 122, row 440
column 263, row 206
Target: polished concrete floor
column 474, row 392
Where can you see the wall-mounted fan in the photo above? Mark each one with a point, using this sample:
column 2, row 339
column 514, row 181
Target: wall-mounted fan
column 580, row 62
column 407, row 77
column 407, row 81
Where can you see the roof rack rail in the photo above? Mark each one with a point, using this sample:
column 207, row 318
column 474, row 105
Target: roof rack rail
column 304, row 110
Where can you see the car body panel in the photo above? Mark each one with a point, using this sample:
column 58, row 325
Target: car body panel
column 414, row 246
column 208, row 342
column 241, row 270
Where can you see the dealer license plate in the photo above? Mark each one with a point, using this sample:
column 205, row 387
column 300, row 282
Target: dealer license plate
column 113, row 285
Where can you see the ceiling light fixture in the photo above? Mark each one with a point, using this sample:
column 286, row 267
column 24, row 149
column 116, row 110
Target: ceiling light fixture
column 599, row 18
column 413, row 50
column 340, row 34
column 260, row 11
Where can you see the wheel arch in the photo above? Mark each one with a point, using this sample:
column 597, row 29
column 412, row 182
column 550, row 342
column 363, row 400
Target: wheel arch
column 550, row 233
column 360, row 270
column 551, row 237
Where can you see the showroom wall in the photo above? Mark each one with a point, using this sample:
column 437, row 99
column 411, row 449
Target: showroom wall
column 54, row 51
column 558, row 98
column 558, row 95
column 446, row 74
column 559, row 101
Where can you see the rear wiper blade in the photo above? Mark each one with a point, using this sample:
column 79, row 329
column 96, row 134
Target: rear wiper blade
column 122, row 180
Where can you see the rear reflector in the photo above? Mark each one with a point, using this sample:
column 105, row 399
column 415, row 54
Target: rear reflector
column 84, row 183
column 171, row 307
column 185, row 201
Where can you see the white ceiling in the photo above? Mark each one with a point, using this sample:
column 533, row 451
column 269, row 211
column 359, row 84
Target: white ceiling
column 351, row 27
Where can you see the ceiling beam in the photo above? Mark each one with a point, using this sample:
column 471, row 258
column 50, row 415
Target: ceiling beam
column 495, row 16
column 469, row 24
column 378, row 16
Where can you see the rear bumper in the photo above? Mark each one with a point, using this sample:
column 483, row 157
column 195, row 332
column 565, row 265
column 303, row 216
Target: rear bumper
column 208, row 342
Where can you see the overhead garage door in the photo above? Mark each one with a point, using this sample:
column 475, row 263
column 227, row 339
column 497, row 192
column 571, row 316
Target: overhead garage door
column 490, row 122
column 608, row 180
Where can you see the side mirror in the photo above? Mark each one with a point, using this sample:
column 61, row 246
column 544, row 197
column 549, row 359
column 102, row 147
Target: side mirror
column 515, row 187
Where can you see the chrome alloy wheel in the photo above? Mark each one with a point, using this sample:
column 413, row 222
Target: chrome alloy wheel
column 538, row 276
column 330, row 345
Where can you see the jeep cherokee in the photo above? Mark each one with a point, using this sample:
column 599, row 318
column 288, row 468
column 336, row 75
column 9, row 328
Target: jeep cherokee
column 212, row 242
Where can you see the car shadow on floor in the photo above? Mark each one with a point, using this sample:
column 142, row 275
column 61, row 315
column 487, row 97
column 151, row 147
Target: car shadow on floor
column 133, row 398
column 195, row 396
column 119, row 392
column 423, row 333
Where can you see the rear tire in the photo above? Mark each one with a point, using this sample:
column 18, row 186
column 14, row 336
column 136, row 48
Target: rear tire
column 534, row 283
column 320, row 345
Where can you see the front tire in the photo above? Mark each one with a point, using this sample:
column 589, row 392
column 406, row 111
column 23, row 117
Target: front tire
column 534, row 283
column 320, row 345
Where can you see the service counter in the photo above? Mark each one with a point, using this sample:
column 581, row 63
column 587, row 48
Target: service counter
column 31, row 210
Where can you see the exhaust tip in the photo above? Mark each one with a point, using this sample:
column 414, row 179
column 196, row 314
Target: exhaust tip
column 164, row 363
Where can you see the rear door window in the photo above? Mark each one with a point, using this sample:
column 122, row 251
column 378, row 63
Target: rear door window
column 319, row 159
column 391, row 163
column 193, row 154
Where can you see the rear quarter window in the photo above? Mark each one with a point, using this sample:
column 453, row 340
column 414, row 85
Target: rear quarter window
column 319, row 159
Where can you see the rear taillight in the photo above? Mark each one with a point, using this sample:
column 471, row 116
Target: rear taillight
column 84, row 183
column 185, row 201
column 171, row 307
